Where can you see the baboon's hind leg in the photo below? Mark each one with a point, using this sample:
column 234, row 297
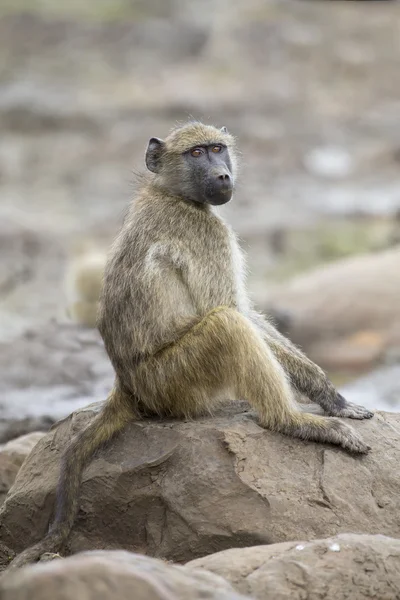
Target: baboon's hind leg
column 278, row 411
column 226, row 351
column 307, row 377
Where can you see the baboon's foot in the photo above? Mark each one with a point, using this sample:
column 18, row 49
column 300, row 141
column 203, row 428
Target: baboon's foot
column 324, row 430
column 349, row 410
column 348, row 438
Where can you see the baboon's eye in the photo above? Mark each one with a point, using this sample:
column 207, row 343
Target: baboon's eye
column 196, row 152
column 216, row 148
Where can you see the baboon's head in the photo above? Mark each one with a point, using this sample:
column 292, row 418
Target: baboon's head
column 196, row 162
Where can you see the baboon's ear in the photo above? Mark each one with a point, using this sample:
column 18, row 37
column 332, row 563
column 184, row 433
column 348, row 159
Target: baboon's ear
column 224, row 129
column 154, row 154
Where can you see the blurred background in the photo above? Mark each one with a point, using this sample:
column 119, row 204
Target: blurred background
column 312, row 92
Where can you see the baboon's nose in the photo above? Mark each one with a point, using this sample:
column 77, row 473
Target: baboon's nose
column 225, row 178
column 221, row 187
column 224, row 182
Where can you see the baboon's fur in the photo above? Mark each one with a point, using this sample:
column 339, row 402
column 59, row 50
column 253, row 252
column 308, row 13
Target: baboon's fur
column 181, row 333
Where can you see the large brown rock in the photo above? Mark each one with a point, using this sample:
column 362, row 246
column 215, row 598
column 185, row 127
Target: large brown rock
column 14, row 427
column 12, row 455
column 181, row 490
column 346, row 315
column 345, row 566
column 118, row 575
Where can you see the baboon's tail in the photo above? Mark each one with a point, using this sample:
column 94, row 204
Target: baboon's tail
column 117, row 413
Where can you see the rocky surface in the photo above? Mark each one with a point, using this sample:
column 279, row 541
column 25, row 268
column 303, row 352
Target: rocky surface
column 181, row 490
column 118, row 575
column 12, row 455
column 346, row 566
column 11, row 428
column 346, row 315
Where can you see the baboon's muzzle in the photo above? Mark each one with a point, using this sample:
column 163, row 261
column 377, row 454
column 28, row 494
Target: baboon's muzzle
column 220, row 188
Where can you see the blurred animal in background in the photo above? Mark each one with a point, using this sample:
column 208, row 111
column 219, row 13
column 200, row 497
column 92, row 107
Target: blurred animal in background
column 83, row 282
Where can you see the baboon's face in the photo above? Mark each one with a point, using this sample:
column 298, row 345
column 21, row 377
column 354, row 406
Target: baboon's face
column 202, row 172
column 208, row 174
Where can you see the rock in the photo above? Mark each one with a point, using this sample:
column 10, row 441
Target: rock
column 12, row 455
column 346, row 566
column 19, row 448
column 359, row 352
column 6, row 556
column 118, row 575
column 47, row 556
column 355, row 302
column 8, row 473
column 14, row 428
column 180, row 490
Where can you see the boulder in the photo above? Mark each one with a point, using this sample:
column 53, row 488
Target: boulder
column 346, row 315
column 118, row 575
column 8, row 473
column 14, row 427
column 346, row 566
column 12, row 455
column 19, row 448
column 183, row 489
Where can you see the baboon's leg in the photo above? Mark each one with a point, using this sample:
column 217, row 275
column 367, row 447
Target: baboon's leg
column 225, row 351
column 307, row 377
column 310, row 380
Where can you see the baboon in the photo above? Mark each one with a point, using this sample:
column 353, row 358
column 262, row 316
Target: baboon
column 178, row 325
column 83, row 281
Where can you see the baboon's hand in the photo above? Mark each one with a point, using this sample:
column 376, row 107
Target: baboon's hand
column 349, row 410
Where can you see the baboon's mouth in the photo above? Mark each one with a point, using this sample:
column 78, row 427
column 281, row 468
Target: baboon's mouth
column 222, row 197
